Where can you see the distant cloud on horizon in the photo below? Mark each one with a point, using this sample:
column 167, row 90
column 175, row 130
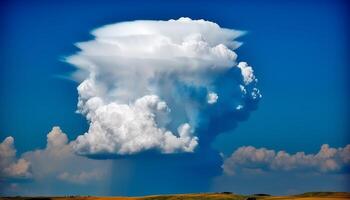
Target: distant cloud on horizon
column 10, row 166
column 57, row 161
column 259, row 160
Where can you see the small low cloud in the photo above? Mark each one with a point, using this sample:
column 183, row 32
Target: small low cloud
column 258, row 160
column 10, row 166
column 57, row 160
column 212, row 97
column 247, row 73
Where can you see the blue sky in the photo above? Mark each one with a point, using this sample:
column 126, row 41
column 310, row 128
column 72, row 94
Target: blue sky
column 298, row 51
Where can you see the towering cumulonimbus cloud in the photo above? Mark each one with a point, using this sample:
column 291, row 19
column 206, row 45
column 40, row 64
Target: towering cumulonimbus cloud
column 154, row 85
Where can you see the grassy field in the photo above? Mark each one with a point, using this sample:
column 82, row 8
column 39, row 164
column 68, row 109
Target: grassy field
column 209, row 196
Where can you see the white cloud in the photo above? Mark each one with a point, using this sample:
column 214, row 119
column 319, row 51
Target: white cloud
column 243, row 90
column 212, row 97
column 132, row 128
column 10, row 166
column 59, row 161
column 255, row 94
column 239, row 107
column 250, row 158
column 247, row 73
column 139, row 81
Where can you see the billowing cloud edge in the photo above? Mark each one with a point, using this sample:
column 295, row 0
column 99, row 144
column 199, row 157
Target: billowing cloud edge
column 10, row 166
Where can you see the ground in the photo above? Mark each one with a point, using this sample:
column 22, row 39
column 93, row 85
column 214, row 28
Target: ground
column 204, row 196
